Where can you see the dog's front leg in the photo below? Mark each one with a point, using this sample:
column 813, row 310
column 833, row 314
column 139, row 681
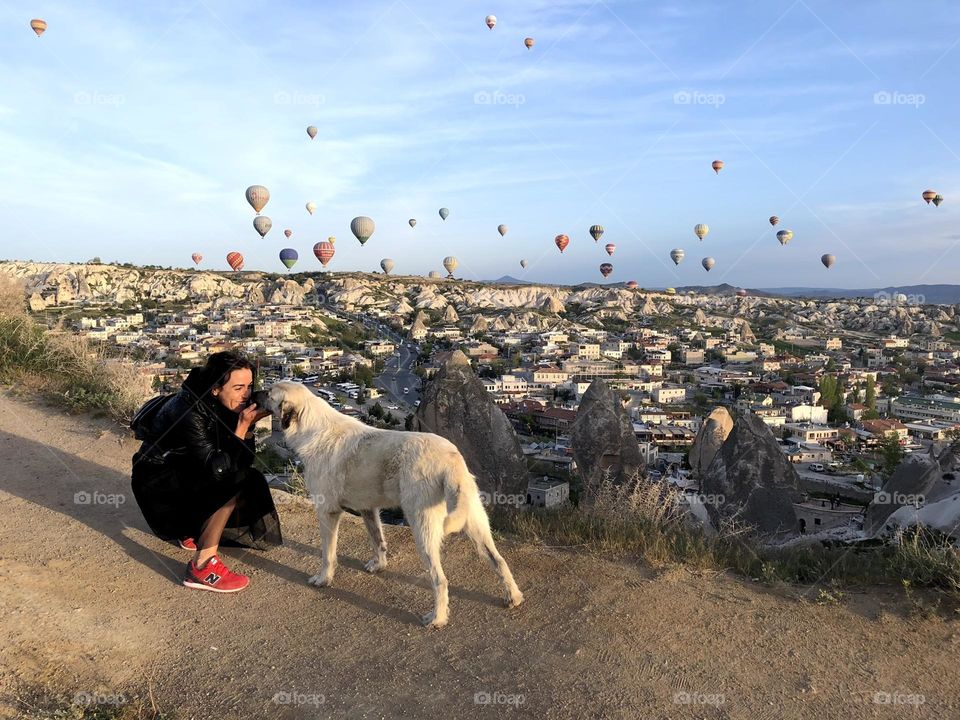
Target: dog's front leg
column 371, row 518
column 329, row 525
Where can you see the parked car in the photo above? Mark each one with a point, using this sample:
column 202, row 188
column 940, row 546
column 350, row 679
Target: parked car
column 816, row 467
column 406, row 390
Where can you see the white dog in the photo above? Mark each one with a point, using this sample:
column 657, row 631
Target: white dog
column 349, row 464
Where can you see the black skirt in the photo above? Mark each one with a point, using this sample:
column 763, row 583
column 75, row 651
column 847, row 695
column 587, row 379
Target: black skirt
column 176, row 503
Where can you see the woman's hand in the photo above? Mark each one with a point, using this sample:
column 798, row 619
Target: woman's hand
column 249, row 417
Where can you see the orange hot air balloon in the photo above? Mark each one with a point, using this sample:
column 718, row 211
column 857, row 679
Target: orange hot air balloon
column 562, row 241
column 196, row 257
column 717, row 166
column 529, row 43
column 324, row 252
column 288, row 232
column 929, row 195
column 632, row 285
column 38, row 26
column 235, row 260
column 610, row 247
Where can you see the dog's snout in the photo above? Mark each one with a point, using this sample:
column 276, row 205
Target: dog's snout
column 260, row 398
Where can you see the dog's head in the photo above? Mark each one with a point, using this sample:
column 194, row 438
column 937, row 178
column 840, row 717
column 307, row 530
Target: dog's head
column 286, row 400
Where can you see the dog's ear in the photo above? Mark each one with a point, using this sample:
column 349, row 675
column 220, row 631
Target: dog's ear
column 288, row 414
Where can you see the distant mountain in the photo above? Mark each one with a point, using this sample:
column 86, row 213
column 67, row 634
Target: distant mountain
column 510, row 280
column 936, row 294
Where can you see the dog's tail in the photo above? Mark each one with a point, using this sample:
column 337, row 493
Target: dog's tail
column 461, row 494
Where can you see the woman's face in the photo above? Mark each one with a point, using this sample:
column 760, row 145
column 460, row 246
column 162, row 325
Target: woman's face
column 237, row 390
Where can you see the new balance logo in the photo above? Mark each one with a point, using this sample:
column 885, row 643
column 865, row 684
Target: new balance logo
column 212, row 579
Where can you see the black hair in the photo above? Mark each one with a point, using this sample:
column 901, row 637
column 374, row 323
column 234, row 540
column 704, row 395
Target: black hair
column 220, row 365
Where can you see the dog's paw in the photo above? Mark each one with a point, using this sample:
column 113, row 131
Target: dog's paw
column 375, row 565
column 320, row 580
column 431, row 620
column 515, row 600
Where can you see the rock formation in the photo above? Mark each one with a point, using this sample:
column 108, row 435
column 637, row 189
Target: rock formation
column 602, row 437
column 710, row 438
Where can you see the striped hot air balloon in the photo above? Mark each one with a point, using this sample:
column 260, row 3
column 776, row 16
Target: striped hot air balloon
column 450, row 264
column 289, row 257
column 677, row 255
column 561, row 241
column 774, row 220
column 596, row 231
column 324, row 252
column 258, row 196
column 435, row 274
column 235, row 260
column 38, row 26
column 929, row 195
column 362, row 227
column 717, row 166
column 701, row 230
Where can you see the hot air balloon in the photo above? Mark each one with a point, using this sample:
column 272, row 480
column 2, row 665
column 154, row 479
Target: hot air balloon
column 362, row 227
column 324, row 252
column 289, row 257
column 262, row 224
column 774, row 220
column 937, row 200
column 610, row 247
column 450, row 264
column 741, row 292
column 434, row 274
column 677, row 256
column 606, row 269
column 312, row 131
column 597, row 232
column 929, row 195
column 828, row 260
column 386, row 265
column 413, row 222
column 311, row 206
column 332, row 240
column 529, row 42
column 288, row 232
column 502, row 229
column 258, row 196
column 235, row 260
column 708, row 262
column 632, row 285
column 562, row 241
column 444, row 213
column 39, row 26
column 523, row 264
column 717, row 166
column 196, row 257
column 491, row 21
column 670, row 291
column 785, row 236
column 701, row 230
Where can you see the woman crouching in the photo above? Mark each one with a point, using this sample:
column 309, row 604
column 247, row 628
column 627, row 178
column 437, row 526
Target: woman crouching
column 193, row 479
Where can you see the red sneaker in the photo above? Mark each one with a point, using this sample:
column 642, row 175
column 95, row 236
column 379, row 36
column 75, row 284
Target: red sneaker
column 188, row 544
column 214, row 576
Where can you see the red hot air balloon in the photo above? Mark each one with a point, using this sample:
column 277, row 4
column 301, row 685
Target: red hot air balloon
column 235, row 260
column 196, row 257
column 610, row 247
column 606, row 269
column 562, row 241
column 929, row 195
column 324, row 252
column 632, row 284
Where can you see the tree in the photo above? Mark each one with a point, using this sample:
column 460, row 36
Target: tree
column 376, row 411
column 892, row 454
column 828, row 391
column 408, row 423
column 870, row 395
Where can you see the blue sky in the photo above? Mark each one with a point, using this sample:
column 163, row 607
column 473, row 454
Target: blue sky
column 131, row 130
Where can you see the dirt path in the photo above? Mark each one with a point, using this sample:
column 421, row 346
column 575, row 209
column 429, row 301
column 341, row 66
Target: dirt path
column 91, row 603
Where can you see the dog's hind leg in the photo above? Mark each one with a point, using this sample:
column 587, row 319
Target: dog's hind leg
column 478, row 530
column 329, row 526
column 427, row 527
column 371, row 518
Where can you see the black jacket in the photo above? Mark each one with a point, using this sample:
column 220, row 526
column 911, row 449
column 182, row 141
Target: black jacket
column 197, row 433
